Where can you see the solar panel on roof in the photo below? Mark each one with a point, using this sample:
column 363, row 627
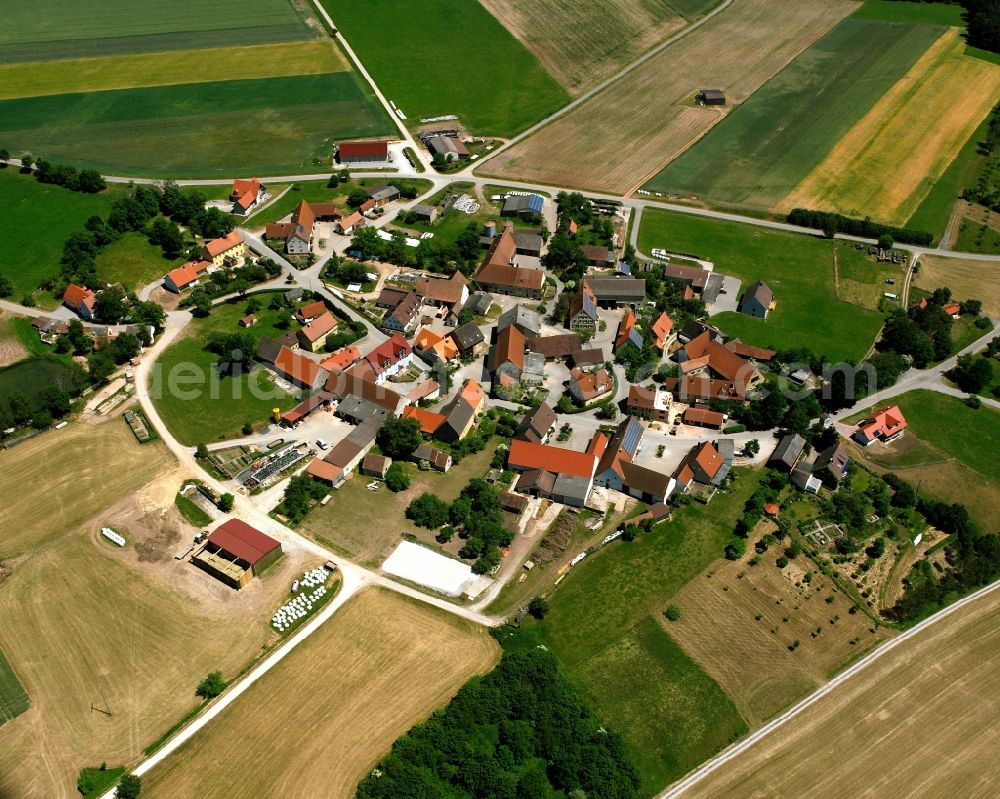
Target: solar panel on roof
column 535, row 203
column 632, row 435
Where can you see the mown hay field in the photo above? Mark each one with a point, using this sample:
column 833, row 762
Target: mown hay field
column 887, row 163
column 317, row 722
column 968, row 279
column 799, row 270
column 768, row 145
column 920, row 721
column 583, row 43
column 168, row 68
column 48, row 29
column 72, row 473
column 78, row 612
column 750, row 657
column 449, row 57
column 203, row 129
column 625, row 134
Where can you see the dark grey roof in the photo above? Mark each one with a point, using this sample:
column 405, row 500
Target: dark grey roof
column 528, row 241
column 479, row 303
column 360, row 409
column 268, row 349
column 458, row 414
column 383, row 192
column 468, row 336
column 423, row 210
column 788, row 450
column 588, row 357
column 573, row 487
column 614, row 287
column 522, row 317
column 835, row 457
column 726, row 447
column 294, row 294
column 759, row 291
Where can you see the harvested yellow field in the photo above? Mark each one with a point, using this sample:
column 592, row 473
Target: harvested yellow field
column 968, row 279
column 888, row 162
column 74, row 473
column 162, row 69
column 750, row 657
column 582, row 43
column 622, row 136
column 318, row 721
column 920, row 721
column 79, row 614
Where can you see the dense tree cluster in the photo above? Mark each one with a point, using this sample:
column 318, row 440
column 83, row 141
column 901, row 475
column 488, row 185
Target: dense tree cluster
column 520, row 732
column 301, row 493
column 983, row 19
column 398, row 437
column 831, row 224
column 44, row 406
column 88, row 181
column 922, row 334
column 972, row 373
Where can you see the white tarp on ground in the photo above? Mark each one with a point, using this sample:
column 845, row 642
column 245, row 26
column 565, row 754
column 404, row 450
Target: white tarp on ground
column 426, row 567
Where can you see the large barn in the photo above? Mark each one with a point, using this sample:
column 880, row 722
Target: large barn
column 235, row 552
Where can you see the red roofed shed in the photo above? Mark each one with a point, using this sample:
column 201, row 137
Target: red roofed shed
column 235, row 552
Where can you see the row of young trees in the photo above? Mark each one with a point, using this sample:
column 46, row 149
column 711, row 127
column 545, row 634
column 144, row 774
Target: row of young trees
column 520, row 732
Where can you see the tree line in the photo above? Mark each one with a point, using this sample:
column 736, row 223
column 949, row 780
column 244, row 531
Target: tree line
column 831, row 224
column 520, row 732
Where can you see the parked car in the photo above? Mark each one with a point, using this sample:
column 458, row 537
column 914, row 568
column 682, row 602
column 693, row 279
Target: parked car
column 322, row 444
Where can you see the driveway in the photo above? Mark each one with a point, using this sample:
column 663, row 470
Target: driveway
column 728, row 296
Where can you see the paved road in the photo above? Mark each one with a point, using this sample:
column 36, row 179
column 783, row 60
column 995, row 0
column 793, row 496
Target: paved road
column 736, row 750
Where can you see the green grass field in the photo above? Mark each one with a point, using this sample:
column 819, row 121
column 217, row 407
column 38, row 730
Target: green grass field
column 449, row 57
column 317, row 191
column 35, row 220
column 799, row 270
column 205, row 129
column 915, row 12
column 973, row 237
column 768, row 145
column 13, row 698
column 53, row 29
column 691, row 9
column 190, row 410
column 947, row 423
column 603, row 627
column 193, row 514
column 133, row 262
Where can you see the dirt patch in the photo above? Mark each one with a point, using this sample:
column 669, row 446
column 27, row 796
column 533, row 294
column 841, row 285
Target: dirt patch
column 887, row 163
column 11, row 348
column 628, row 132
column 166, row 299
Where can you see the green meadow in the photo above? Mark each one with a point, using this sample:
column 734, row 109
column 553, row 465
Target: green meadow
column 205, row 129
column 449, row 57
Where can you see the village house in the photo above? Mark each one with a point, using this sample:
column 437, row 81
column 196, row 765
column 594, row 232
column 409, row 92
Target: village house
column 628, row 331
column 692, row 276
column 313, row 335
column 583, row 310
column 296, row 369
column 434, row 346
column 557, row 347
column 887, row 424
column 652, row 404
column 587, row 359
column 298, row 234
column 375, row 466
column 245, row 195
column 389, row 358
column 617, row 471
column 524, row 319
column 598, row 256
column 498, row 274
column 703, row 417
column 703, row 354
column 587, row 387
column 341, row 360
column 348, row 224
column 403, row 317
column 186, row 276
column 469, row 340
column 429, row 421
column 229, row 246
column 610, row 292
column 80, row 300
column 529, row 243
column 537, row 424
column 788, row 452
column 310, row 311
column 562, row 475
column 661, row 332
column 757, row 300
column 506, row 358
column 703, row 464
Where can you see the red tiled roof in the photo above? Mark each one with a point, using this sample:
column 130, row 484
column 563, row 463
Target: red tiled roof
column 625, row 327
column 509, row 347
column 703, row 416
column 709, row 459
column 724, row 362
column 244, row 187
column 526, row 455
column 311, row 310
column 226, row 243
column 496, row 268
column 319, row 327
column 473, row 393
column 297, row 367
column 74, row 296
column 182, row 276
column 388, row 353
column 429, row 421
column 952, row 308
column 341, row 359
column 243, row 541
column 363, row 149
column 661, row 329
column 322, row 470
column 884, row 423
column 747, row 351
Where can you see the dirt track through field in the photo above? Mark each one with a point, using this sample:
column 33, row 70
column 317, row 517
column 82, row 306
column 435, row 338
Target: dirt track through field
column 887, row 163
column 323, row 717
column 629, row 131
column 919, row 722
column 561, row 34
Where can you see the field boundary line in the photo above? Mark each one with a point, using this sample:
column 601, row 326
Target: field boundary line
column 601, row 86
column 737, row 749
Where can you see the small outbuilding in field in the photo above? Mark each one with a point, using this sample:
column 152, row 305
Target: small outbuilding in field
column 235, row 552
column 712, row 97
